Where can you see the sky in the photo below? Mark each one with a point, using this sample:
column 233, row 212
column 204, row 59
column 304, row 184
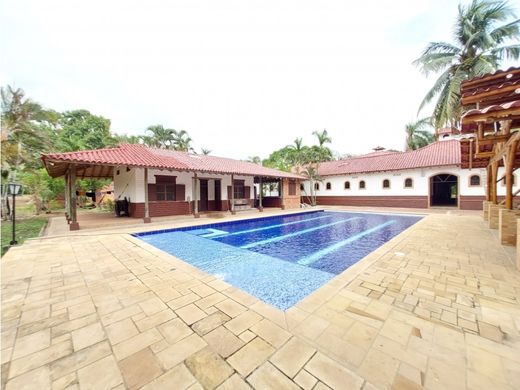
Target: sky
column 242, row 77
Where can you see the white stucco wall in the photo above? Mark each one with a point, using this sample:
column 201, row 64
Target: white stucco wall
column 131, row 183
column 420, row 177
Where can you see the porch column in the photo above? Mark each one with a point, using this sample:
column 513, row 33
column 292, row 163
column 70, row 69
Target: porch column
column 260, row 186
column 66, row 195
column 489, row 181
column 510, row 162
column 282, row 194
column 146, row 218
column 74, row 225
column 233, row 194
column 494, row 176
column 195, row 196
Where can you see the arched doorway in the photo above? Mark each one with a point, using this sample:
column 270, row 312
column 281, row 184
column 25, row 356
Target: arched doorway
column 444, row 190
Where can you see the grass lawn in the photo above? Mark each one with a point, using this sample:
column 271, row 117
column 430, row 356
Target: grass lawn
column 25, row 228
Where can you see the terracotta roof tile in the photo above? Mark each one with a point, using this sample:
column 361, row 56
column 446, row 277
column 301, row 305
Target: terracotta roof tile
column 437, row 154
column 141, row 156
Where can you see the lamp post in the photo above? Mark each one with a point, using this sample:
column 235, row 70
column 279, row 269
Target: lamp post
column 14, row 189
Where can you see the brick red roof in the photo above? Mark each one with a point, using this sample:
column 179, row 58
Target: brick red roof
column 440, row 153
column 140, row 156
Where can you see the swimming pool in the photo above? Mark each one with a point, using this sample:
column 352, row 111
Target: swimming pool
column 281, row 259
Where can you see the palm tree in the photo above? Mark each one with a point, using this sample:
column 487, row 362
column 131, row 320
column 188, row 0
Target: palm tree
column 20, row 131
column 299, row 154
column 418, row 134
column 311, row 173
column 481, row 42
column 255, row 160
column 159, row 137
column 182, row 141
column 204, row 151
column 322, row 152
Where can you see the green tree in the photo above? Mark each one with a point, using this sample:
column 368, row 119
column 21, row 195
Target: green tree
column 182, row 141
column 255, row 160
column 79, row 129
column 418, row 134
column 21, row 135
column 322, row 152
column 484, row 35
column 205, row 151
column 159, row 137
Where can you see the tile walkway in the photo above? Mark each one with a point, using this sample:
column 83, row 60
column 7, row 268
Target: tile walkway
column 437, row 307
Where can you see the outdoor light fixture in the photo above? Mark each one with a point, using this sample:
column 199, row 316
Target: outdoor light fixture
column 14, row 189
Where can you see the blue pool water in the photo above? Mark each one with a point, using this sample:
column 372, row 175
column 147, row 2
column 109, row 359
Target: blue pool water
column 281, row 259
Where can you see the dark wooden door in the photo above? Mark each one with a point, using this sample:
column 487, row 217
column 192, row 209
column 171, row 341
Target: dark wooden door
column 203, row 204
column 218, row 196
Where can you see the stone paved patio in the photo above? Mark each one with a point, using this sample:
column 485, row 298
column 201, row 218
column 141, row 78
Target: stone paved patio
column 436, row 307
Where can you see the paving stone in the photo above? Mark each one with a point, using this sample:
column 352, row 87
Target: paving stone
column 224, row 342
column 40, row 358
column 210, row 322
column 152, row 306
column 178, row 377
column 305, row 380
column 268, row 377
column 155, row 320
column 174, row 330
column 190, row 314
column 209, row 368
column 271, row 333
column 230, row 307
column 243, row 321
column 332, row 374
column 490, row 332
column 140, row 368
column 87, row 336
column 34, row 315
column 103, row 374
column 292, row 356
column 75, row 361
column 178, row 352
column 81, row 310
column 234, row 382
column 249, row 357
column 246, row 336
column 38, row 378
column 120, row 331
column 31, row 343
column 132, row 345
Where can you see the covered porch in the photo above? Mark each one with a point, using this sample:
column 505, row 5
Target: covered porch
column 145, row 191
column 494, row 123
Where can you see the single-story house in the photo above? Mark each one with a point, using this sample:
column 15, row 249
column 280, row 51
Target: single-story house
column 439, row 174
column 159, row 182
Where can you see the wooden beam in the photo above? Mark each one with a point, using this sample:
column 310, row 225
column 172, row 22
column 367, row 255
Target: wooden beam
column 146, row 218
column 510, row 162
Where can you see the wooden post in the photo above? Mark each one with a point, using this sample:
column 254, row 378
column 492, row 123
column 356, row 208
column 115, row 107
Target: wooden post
column 66, row 194
column 494, row 174
column 510, row 163
column 488, row 181
column 260, row 186
column 281, row 190
column 195, row 196
column 74, row 225
column 233, row 194
column 146, row 218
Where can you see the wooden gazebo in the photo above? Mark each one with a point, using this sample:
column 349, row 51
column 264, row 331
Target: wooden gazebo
column 492, row 116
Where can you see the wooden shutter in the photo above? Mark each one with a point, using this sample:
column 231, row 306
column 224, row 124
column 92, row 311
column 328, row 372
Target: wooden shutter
column 180, row 192
column 152, row 193
column 229, row 192
column 247, row 192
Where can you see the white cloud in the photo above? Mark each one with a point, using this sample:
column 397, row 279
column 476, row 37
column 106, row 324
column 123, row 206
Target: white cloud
column 242, row 77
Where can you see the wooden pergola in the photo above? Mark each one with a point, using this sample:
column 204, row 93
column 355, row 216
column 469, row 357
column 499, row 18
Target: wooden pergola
column 492, row 118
